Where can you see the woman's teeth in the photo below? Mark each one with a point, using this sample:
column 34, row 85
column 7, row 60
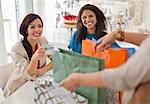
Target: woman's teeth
column 89, row 23
column 37, row 34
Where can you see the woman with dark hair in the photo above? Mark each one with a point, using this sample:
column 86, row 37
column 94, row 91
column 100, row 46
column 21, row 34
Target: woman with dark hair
column 28, row 55
column 91, row 25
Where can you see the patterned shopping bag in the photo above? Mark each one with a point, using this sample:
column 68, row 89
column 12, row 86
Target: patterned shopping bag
column 48, row 92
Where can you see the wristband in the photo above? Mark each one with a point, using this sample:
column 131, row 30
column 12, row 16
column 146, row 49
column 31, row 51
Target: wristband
column 120, row 36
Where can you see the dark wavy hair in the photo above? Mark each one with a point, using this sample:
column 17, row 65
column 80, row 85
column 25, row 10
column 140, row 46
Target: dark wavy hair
column 100, row 25
column 23, row 31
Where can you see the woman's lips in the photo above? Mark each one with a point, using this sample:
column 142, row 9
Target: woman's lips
column 89, row 23
column 36, row 34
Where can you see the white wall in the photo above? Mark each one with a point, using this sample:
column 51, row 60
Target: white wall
column 10, row 23
column 146, row 14
column 3, row 55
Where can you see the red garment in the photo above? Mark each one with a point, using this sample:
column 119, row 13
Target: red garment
column 33, row 51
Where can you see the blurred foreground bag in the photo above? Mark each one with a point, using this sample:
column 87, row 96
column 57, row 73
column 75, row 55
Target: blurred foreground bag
column 66, row 62
column 48, row 92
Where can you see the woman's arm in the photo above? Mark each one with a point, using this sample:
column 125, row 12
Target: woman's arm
column 32, row 67
column 134, row 72
column 76, row 80
column 91, row 79
column 132, row 37
column 135, row 38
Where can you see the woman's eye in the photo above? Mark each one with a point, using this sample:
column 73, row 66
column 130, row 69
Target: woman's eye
column 40, row 26
column 91, row 16
column 32, row 27
column 84, row 17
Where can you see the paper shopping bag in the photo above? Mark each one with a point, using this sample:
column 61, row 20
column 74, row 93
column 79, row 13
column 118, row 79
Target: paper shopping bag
column 67, row 62
column 113, row 57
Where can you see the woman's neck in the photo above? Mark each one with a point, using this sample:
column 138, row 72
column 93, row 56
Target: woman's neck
column 32, row 42
column 91, row 31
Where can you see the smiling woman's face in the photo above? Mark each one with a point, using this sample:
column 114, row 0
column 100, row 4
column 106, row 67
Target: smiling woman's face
column 35, row 29
column 88, row 18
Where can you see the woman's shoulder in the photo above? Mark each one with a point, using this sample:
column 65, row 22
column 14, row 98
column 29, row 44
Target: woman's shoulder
column 18, row 44
column 75, row 34
column 18, row 47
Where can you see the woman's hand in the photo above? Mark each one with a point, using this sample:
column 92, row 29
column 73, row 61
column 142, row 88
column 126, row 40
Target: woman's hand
column 71, row 83
column 43, row 70
column 39, row 53
column 106, row 41
column 32, row 68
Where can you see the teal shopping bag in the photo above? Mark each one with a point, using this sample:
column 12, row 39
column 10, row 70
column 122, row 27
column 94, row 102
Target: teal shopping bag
column 67, row 62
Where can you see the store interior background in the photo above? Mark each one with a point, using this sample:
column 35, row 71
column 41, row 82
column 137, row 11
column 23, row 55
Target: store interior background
column 133, row 12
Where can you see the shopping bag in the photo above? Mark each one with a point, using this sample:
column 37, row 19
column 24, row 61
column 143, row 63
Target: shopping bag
column 67, row 62
column 49, row 92
column 113, row 57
